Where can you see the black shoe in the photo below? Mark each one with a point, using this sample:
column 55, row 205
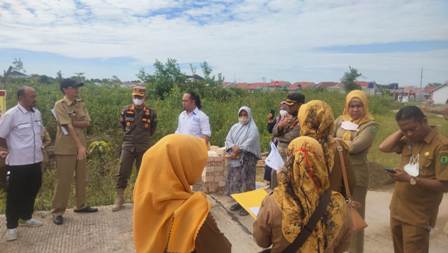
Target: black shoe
column 58, row 220
column 235, row 207
column 86, row 209
column 243, row 212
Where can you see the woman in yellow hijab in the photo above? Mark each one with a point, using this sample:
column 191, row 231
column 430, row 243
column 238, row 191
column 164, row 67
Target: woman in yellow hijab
column 357, row 128
column 283, row 214
column 168, row 216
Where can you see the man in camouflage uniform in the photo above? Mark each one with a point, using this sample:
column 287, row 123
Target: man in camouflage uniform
column 139, row 124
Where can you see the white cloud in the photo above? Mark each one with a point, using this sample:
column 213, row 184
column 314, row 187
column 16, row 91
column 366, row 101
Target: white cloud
column 246, row 41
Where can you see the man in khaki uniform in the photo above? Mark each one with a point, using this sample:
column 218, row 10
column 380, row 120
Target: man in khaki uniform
column 139, row 124
column 421, row 179
column 287, row 128
column 70, row 150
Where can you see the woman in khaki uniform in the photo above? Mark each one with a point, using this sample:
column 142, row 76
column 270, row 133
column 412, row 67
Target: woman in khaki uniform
column 284, row 214
column 168, row 216
column 357, row 129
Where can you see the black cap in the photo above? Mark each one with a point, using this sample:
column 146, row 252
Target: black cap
column 297, row 98
column 65, row 83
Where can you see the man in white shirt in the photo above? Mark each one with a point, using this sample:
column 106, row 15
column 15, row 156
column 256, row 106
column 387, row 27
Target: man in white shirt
column 192, row 120
column 21, row 132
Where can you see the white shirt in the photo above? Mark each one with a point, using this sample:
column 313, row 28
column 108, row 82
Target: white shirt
column 195, row 123
column 23, row 132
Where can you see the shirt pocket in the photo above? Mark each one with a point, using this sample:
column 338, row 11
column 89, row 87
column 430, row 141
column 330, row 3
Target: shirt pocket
column 24, row 129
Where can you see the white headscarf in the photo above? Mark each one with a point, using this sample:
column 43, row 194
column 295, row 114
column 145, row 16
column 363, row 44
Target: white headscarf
column 245, row 136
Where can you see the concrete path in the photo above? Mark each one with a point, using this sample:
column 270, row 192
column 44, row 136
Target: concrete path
column 107, row 231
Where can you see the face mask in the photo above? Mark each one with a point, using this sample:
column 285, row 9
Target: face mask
column 413, row 167
column 283, row 113
column 243, row 120
column 137, row 101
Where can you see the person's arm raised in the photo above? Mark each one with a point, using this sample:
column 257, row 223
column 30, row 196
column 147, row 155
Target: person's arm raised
column 391, row 142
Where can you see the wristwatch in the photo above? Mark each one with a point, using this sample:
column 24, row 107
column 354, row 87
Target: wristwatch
column 413, row 181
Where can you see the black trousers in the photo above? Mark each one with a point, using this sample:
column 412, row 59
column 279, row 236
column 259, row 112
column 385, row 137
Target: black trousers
column 23, row 184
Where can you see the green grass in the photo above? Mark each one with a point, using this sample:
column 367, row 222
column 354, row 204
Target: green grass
column 105, row 102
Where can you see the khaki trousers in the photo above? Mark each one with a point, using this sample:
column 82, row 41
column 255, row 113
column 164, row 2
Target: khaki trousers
column 67, row 168
column 357, row 242
column 127, row 160
column 409, row 238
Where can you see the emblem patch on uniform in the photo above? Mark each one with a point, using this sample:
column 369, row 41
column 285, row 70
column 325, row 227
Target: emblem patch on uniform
column 444, row 159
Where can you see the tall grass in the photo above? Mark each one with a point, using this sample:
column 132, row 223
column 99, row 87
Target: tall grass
column 105, row 103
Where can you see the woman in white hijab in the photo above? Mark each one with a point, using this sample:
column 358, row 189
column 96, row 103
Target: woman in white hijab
column 243, row 152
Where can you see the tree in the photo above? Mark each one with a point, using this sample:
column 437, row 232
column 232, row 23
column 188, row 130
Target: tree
column 143, row 76
column 349, row 79
column 79, row 76
column 17, row 65
column 59, row 75
column 209, row 78
column 166, row 76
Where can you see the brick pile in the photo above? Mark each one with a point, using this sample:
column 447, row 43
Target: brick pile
column 213, row 178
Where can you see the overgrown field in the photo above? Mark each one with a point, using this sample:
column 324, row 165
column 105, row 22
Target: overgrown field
column 105, row 102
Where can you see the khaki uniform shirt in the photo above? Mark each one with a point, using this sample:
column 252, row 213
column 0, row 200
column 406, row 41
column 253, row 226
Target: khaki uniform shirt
column 414, row 204
column 66, row 111
column 136, row 137
column 285, row 135
column 362, row 140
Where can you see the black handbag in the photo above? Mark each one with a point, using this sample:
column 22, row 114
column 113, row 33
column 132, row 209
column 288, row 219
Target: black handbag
column 309, row 227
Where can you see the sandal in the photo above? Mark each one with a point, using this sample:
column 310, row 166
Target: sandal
column 235, row 207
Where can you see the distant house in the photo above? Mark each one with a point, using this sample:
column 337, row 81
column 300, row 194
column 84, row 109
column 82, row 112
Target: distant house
column 330, row 86
column 301, row 85
column 16, row 74
column 440, row 94
column 194, row 77
column 263, row 86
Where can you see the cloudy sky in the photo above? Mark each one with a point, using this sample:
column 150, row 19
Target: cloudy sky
column 246, row 40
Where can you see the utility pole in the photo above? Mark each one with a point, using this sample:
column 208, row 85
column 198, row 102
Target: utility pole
column 421, row 78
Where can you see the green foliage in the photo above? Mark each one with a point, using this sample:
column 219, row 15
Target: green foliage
column 105, row 102
column 166, row 76
column 349, row 79
column 17, row 65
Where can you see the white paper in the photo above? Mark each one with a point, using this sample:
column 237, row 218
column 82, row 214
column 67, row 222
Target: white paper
column 255, row 210
column 63, row 129
column 274, row 159
column 350, row 126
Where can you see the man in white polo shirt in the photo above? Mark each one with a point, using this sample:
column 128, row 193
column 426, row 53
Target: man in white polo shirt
column 21, row 143
column 192, row 120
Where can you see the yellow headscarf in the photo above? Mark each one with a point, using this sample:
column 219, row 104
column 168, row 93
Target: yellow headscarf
column 167, row 214
column 360, row 95
column 300, row 187
column 316, row 120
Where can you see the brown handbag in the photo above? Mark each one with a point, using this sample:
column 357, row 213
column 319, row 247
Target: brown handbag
column 358, row 223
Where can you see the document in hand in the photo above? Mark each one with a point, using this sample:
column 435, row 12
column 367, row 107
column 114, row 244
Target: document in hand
column 63, row 129
column 274, row 159
column 251, row 200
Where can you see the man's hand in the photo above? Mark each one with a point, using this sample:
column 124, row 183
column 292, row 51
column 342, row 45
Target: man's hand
column 284, row 121
column 270, row 117
column 82, row 153
column 236, row 149
column 400, row 176
column 3, row 154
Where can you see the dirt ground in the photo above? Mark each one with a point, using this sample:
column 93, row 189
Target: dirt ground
column 108, row 231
